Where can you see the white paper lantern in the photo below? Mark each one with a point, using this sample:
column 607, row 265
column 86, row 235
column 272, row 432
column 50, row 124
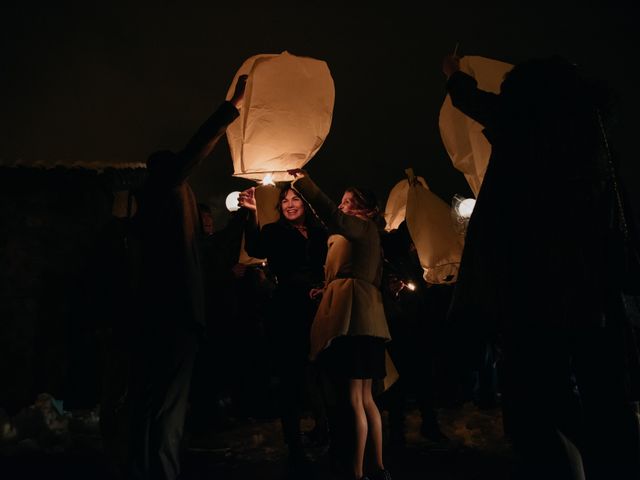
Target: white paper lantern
column 462, row 136
column 285, row 116
column 396, row 208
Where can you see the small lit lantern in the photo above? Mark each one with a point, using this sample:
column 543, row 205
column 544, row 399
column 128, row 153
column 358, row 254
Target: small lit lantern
column 465, row 208
column 231, row 202
column 461, row 211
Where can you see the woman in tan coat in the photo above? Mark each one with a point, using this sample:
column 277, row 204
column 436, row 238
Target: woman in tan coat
column 350, row 329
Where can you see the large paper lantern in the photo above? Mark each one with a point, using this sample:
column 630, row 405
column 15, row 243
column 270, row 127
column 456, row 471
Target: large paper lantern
column 285, row 116
column 396, row 208
column 462, row 137
column 438, row 243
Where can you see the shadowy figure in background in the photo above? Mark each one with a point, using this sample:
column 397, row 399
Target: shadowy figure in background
column 415, row 317
column 115, row 298
column 534, row 273
column 171, row 316
column 295, row 247
column 206, row 220
column 215, row 370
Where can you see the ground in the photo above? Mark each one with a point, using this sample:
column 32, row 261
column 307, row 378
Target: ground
column 253, row 449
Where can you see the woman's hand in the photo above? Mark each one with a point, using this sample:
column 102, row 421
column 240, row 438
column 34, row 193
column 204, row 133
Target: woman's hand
column 394, row 285
column 247, row 199
column 297, row 173
column 316, row 293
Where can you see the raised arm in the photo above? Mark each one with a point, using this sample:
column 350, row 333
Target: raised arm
column 465, row 95
column 254, row 243
column 347, row 225
column 209, row 133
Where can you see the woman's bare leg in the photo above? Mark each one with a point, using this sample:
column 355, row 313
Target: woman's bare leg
column 374, row 420
column 355, row 397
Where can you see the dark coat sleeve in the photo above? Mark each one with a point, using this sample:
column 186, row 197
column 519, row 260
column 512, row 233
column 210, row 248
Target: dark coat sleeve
column 175, row 168
column 349, row 226
column 256, row 242
column 469, row 99
column 228, row 240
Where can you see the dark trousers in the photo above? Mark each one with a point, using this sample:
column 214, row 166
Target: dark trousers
column 160, row 389
column 291, row 396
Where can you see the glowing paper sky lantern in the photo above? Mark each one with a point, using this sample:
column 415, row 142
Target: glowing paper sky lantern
column 432, row 230
column 396, row 208
column 462, row 137
column 285, row 116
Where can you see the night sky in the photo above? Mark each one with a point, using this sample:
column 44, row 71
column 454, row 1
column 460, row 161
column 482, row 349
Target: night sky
column 106, row 84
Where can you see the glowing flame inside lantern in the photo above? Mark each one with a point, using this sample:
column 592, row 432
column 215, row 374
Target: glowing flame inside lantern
column 268, row 180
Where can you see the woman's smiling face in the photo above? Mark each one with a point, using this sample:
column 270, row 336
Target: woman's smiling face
column 292, row 207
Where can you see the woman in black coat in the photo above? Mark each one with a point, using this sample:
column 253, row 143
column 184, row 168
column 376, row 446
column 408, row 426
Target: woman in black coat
column 295, row 248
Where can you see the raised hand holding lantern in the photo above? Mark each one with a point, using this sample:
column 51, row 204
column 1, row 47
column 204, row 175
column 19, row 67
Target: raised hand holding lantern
column 462, row 136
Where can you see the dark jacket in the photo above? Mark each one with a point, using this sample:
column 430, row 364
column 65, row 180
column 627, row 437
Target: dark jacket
column 533, row 254
column 171, row 290
column 297, row 264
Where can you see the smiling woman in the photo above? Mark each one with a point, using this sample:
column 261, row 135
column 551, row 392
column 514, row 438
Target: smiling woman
column 295, row 248
column 292, row 208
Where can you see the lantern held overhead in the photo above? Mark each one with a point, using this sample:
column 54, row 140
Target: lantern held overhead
column 285, row 116
column 462, row 136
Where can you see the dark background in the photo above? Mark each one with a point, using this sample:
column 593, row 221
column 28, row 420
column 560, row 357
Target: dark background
column 102, row 84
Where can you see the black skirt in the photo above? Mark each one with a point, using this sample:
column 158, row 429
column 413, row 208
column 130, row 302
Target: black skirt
column 360, row 356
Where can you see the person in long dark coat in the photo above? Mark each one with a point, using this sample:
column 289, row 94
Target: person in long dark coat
column 295, row 248
column 534, row 273
column 415, row 312
column 171, row 316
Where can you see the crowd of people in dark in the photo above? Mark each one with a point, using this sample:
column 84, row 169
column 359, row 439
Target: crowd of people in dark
column 318, row 319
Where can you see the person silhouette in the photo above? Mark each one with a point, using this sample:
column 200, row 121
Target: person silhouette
column 534, row 273
column 170, row 298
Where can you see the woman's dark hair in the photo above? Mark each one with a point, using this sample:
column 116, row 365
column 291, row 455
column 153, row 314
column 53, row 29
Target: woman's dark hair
column 309, row 216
